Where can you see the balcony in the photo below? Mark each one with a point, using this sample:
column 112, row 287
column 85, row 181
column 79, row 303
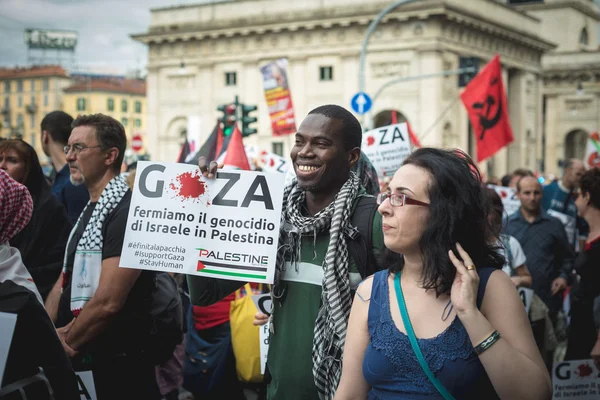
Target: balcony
column 5, row 111
column 31, row 108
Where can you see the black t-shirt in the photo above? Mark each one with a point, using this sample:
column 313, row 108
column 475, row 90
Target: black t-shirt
column 133, row 320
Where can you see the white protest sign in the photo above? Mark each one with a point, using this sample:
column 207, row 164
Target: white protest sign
column 272, row 162
column 526, row 295
column 225, row 228
column 263, row 303
column 85, row 381
column 264, row 346
column 509, row 198
column 387, row 147
column 578, row 379
column 7, row 328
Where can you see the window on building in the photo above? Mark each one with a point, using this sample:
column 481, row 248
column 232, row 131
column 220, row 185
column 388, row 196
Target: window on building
column 46, row 83
column 32, row 120
column 124, row 121
column 138, row 107
column 7, row 87
column 19, row 120
column 19, row 86
column 230, row 78
column 110, row 104
column 584, row 37
column 20, row 101
column 326, row 73
column 81, row 104
column 6, row 103
column 45, row 99
column 32, row 100
column 138, row 122
column 32, row 141
column 33, row 85
column 277, row 148
column 124, row 105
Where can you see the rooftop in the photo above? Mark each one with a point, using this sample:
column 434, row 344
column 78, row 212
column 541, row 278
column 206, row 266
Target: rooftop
column 33, row 72
column 126, row 86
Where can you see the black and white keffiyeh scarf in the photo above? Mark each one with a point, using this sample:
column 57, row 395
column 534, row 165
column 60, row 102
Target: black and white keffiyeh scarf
column 91, row 242
column 336, row 298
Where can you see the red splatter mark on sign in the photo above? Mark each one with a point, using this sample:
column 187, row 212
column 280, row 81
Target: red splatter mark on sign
column 503, row 194
column 370, row 140
column 188, row 185
column 584, row 370
column 594, row 160
column 272, row 163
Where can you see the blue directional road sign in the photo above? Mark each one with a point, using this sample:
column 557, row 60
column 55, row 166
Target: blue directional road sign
column 361, row 103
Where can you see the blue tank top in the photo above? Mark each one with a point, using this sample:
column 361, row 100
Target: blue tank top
column 392, row 369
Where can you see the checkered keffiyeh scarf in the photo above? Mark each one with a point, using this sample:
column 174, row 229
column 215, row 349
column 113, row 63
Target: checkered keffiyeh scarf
column 336, row 299
column 16, row 207
column 92, row 238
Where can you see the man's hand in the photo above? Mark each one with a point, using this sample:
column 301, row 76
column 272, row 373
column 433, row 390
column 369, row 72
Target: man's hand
column 558, row 285
column 209, row 170
column 62, row 335
column 260, row 319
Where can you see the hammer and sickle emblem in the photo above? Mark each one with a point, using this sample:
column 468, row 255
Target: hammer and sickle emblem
column 485, row 108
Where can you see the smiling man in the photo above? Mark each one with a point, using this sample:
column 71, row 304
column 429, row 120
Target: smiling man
column 319, row 263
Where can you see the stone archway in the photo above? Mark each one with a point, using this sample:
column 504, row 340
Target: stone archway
column 576, row 144
column 384, row 118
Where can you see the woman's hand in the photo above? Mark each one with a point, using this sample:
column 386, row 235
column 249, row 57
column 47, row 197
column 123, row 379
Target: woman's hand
column 260, row 319
column 464, row 288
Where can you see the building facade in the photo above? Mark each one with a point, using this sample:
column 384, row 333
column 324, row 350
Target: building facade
column 121, row 98
column 204, row 55
column 27, row 95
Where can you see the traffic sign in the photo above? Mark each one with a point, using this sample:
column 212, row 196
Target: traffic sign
column 361, row 103
column 137, row 143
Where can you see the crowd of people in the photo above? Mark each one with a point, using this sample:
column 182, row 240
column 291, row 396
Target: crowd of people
column 399, row 288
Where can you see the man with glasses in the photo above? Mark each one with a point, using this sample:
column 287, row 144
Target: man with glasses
column 94, row 301
column 319, row 263
column 56, row 129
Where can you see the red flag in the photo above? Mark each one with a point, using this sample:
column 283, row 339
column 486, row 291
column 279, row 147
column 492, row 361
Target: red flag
column 413, row 138
column 236, row 154
column 485, row 100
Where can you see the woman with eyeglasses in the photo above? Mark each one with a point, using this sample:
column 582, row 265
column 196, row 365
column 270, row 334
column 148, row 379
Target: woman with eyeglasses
column 42, row 242
column 443, row 321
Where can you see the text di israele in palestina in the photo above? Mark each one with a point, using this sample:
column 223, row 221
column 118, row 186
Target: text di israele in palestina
column 226, row 227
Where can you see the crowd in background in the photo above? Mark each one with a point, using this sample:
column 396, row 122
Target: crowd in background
column 551, row 245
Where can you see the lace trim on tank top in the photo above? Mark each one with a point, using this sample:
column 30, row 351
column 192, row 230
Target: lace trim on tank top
column 453, row 343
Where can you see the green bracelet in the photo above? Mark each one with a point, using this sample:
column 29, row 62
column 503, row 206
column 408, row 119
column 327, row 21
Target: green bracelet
column 487, row 343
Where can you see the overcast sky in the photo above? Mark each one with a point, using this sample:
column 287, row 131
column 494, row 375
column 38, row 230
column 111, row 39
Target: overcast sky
column 104, row 27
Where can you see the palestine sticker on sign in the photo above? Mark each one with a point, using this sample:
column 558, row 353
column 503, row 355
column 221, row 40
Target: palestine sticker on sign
column 225, row 228
column 387, row 147
column 509, row 199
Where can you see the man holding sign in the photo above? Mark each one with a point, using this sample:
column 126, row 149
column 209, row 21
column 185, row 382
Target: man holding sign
column 322, row 257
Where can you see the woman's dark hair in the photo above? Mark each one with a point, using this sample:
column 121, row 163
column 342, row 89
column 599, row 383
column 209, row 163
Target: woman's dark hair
column 590, row 183
column 34, row 176
column 458, row 213
column 497, row 210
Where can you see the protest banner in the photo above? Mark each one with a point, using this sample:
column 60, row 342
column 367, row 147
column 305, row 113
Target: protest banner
column 264, row 346
column 225, row 228
column 387, row 147
column 278, row 96
column 85, row 382
column 592, row 153
column 268, row 162
column 263, row 303
column 578, row 379
column 509, row 199
column 526, row 295
column 7, row 328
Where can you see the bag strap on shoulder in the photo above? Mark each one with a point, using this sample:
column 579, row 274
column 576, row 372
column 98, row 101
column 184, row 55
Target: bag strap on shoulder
column 361, row 246
column 413, row 340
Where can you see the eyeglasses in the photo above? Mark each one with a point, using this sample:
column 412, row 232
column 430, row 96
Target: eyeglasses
column 399, row 200
column 77, row 148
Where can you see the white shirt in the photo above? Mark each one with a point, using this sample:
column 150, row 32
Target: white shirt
column 517, row 255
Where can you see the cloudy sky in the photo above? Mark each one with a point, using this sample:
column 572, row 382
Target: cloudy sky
column 104, row 27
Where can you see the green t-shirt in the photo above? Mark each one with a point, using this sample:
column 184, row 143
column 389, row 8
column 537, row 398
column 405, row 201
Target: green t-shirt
column 290, row 349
